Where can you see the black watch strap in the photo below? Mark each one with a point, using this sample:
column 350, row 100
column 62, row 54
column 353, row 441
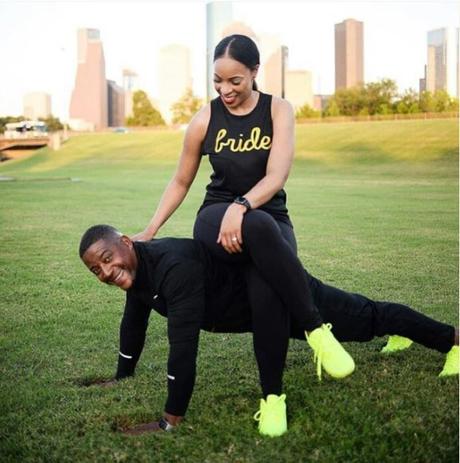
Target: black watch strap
column 243, row 201
column 165, row 425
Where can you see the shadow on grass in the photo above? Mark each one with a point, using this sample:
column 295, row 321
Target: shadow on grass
column 88, row 381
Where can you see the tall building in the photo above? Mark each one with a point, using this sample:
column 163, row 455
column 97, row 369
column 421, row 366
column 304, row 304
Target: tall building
column 88, row 104
column 273, row 65
column 422, row 83
column 218, row 16
column 349, row 54
column 299, row 88
column 442, row 70
column 238, row 27
column 129, row 86
column 320, row 102
column 174, row 77
column 115, row 104
column 36, row 105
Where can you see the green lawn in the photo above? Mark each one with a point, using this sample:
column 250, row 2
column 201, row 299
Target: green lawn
column 375, row 208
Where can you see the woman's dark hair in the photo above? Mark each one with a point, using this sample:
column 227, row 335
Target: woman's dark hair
column 240, row 48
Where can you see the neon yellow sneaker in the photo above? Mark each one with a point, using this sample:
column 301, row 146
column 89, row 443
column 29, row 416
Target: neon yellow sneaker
column 396, row 343
column 272, row 415
column 329, row 353
column 451, row 364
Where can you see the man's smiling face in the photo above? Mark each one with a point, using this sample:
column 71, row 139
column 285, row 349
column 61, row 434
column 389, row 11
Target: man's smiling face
column 113, row 261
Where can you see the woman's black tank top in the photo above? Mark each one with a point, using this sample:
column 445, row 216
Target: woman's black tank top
column 238, row 148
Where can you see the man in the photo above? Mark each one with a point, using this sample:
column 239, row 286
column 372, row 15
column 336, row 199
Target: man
column 180, row 280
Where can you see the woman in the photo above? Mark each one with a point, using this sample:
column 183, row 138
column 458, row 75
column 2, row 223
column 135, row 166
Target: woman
column 249, row 138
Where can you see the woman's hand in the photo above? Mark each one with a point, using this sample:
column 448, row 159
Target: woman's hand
column 142, row 236
column 230, row 235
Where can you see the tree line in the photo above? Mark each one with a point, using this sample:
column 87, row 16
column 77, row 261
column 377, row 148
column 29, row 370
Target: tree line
column 381, row 98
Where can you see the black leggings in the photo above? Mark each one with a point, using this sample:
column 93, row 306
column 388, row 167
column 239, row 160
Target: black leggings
column 355, row 317
column 271, row 247
column 270, row 261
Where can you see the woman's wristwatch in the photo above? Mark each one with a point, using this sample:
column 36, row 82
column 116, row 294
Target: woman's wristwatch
column 165, row 425
column 243, row 201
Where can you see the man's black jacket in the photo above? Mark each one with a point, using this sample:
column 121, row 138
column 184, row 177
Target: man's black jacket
column 179, row 279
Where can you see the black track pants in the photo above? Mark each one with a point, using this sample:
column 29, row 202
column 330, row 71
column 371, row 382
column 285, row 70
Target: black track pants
column 357, row 318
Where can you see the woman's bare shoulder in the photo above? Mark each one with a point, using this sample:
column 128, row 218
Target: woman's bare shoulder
column 281, row 107
column 200, row 120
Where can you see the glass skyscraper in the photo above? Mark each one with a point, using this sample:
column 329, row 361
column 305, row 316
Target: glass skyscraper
column 442, row 70
column 218, row 16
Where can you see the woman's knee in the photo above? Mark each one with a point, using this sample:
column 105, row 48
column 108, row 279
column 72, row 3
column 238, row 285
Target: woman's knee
column 206, row 230
column 207, row 223
column 257, row 225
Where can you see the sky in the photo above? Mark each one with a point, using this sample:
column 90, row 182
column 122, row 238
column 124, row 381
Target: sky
column 38, row 40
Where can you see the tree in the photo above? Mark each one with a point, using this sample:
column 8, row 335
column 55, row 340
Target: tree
column 443, row 102
column 408, row 102
column 401, row 108
column 332, row 109
column 426, row 102
column 7, row 119
column 372, row 98
column 184, row 109
column 53, row 123
column 306, row 112
column 144, row 114
column 454, row 105
column 350, row 101
column 437, row 102
column 384, row 109
column 379, row 95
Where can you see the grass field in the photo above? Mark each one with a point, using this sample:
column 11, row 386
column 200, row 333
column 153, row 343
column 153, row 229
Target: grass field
column 375, row 208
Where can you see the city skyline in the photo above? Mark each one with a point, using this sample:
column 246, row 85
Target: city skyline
column 308, row 32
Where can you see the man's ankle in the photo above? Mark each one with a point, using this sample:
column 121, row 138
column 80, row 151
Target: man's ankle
column 173, row 420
